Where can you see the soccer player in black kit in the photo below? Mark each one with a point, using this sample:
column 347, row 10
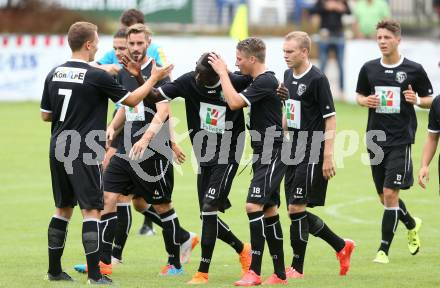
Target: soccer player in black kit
column 266, row 141
column 75, row 100
column 217, row 136
column 389, row 87
column 309, row 111
column 431, row 142
column 123, row 177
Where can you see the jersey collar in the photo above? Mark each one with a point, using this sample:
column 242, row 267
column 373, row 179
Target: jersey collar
column 393, row 65
column 146, row 63
column 214, row 86
column 304, row 73
column 77, row 60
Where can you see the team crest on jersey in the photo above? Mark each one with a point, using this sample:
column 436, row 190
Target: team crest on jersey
column 401, row 76
column 301, row 89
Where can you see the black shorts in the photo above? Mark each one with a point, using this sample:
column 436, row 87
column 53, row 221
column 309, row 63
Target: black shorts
column 395, row 171
column 305, row 184
column 154, row 183
column 82, row 186
column 266, row 180
column 214, row 184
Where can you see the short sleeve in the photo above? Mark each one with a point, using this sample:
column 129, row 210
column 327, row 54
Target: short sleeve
column 363, row 85
column 110, row 88
column 156, row 52
column 423, row 85
column 257, row 90
column 434, row 116
column 45, row 105
column 172, row 90
column 108, row 58
column 325, row 98
column 239, row 81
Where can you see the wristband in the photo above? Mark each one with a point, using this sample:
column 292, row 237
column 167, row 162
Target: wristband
column 418, row 101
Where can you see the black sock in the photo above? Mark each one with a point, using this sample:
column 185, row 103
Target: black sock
column 108, row 226
column 299, row 237
column 274, row 238
column 225, row 234
column 56, row 235
column 256, row 226
column 151, row 216
column 122, row 229
column 170, row 232
column 390, row 220
column 405, row 217
column 318, row 228
column 91, row 242
column 184, row 235
column 209, row 236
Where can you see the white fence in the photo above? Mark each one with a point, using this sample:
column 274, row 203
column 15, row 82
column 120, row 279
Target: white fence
column 26, row 60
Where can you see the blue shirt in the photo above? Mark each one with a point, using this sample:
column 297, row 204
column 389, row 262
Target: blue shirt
column 154, row 51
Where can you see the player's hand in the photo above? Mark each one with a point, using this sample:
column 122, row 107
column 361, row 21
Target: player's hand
column 133, row 67
column 423, row 177
column 282, row 92
column 328, row 167
column 218, row 64
column 138, row 149
column 179, row 156
column 109, row 136
column 372, row 101
column 160, row 73
column 410, row 95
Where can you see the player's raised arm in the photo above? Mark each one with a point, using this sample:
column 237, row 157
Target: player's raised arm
column 232, row 97
column 143, row 91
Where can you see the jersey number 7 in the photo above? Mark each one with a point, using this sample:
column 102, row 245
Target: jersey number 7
column 67, row 93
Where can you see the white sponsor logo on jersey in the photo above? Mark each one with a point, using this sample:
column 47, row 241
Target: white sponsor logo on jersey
column 401, row 76
column 69, row 74
column 301, row 89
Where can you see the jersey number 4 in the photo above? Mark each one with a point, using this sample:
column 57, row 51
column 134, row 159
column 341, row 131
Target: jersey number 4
column 67, row 93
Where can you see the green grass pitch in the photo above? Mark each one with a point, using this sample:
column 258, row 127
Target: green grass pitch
column 352, row 210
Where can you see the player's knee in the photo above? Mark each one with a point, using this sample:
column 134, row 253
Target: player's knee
column 390, row 197
column 110, row 199
column 270, row 211
column 296, row 209
column 162, row 208
column 124, row 198
column 56, row 238
column 140, row 204
column 90, row 242
column 251, row 207
column 209, row 208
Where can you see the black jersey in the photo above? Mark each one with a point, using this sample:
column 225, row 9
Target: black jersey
column 138, row 118
column 394, row 116
column 434, row 116
column 77, row 96
column 265, row 110
column 310, row 102
column 209, row 117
